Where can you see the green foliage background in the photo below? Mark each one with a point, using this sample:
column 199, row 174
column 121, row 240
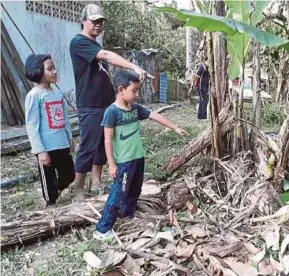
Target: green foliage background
column 134, row 25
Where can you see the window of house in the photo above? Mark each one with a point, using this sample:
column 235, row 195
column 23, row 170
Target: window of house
column 67, row 10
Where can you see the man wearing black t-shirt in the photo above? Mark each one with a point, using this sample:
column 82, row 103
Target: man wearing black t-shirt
column 94, row 92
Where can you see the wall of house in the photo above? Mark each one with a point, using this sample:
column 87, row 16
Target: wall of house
column 45, row 34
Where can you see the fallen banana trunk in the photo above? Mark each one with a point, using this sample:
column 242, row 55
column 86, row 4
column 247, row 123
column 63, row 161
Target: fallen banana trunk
column 226, row 122
column 31, row 226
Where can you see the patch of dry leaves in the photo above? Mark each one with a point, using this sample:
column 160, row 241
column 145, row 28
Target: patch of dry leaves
column 238, row 229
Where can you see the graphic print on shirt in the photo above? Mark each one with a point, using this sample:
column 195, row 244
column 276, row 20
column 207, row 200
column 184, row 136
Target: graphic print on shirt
column 55, row 114
column 128, row 117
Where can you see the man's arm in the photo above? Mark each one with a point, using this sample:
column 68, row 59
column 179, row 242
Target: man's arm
column 117, row 60
column 165, row 122
column 108, row 137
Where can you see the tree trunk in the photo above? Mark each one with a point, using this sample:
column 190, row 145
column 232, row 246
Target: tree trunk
column 256, row 93
column 280, row 82
column 256, row 86
column 216, row 52
column 280, row 73
column 214, row 110
column 220, row 54
column 241, row 141
column 189, row 44
column 29, row 227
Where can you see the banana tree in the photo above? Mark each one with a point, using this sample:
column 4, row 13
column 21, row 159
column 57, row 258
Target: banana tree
column 238, row 28
column 232, row 29
column 238, row 46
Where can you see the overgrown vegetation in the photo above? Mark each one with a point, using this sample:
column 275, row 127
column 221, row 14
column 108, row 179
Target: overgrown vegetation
column 272, row 115
column 275, row 61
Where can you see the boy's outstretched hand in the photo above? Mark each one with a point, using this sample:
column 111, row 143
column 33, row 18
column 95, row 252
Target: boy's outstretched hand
column 180, row 131
column 113, row 170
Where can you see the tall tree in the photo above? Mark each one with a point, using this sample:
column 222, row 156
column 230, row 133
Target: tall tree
column 276, row 61
column 220, row 56
column 188, row 5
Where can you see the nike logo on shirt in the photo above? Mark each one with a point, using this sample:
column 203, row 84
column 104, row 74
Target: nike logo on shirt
column 124, row 137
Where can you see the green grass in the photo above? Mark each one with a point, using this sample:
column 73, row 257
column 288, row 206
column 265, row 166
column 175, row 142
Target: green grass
column 68, row 260
column 18, row 202
column 159, row 146
column 272, row 115
column 14, row 262
column 64, row 261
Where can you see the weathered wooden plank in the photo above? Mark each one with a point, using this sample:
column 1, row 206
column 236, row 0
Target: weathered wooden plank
column 15, row 57
column 14, row 84
column 10, row 100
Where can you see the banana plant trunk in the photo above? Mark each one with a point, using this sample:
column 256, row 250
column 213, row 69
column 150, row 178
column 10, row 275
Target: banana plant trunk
column 220, row 54
column 241, row 141
column 217, row 52
column 256, row 93
column 216, row 142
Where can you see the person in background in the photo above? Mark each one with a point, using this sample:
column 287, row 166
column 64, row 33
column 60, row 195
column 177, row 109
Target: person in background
column 94, row 93
column 201, row 82
column 48, row 128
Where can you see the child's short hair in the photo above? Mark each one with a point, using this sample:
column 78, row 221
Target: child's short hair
column 34, row 67
column 124, row 78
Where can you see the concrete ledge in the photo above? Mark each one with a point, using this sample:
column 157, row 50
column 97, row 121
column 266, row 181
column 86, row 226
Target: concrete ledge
column 13, row 132
column 15, row 139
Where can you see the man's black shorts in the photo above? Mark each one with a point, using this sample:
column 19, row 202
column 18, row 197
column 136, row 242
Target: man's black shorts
column 91, row 149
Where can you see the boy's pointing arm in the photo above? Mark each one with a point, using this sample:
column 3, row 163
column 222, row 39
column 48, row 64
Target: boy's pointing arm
column 165, row 122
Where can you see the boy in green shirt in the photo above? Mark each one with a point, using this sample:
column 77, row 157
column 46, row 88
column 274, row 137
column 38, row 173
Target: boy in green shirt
column 125, row 151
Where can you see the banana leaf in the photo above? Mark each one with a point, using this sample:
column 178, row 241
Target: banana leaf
column 232, row 28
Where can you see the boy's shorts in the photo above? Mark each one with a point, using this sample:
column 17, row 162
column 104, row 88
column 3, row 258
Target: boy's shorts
column 91, row 149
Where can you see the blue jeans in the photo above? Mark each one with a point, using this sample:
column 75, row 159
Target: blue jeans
column 124, row 194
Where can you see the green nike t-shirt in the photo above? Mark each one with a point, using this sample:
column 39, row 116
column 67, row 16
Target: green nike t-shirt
column 127, row 144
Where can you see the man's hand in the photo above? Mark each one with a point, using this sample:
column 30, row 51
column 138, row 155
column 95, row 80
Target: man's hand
column 195, row 81
column 113, row 170
column 180, row 131
column 44, row 158
column 117, row 60
column 141, row 73
column 72, row 146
